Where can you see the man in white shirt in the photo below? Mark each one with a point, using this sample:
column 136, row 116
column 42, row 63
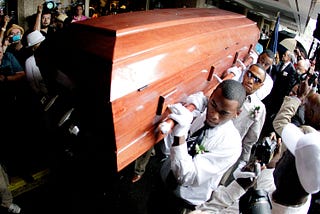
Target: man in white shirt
column 198, row 175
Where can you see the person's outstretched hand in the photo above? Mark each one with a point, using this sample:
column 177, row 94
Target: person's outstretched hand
column 277, row 152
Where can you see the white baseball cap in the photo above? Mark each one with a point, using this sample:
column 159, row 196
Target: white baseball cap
column 306, row 149
column 290, row 136
column 34, row 38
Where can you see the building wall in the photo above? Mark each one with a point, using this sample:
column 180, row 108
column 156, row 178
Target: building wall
column 25, row 9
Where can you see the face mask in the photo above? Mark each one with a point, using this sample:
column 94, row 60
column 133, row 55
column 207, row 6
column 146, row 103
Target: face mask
column 15, row 38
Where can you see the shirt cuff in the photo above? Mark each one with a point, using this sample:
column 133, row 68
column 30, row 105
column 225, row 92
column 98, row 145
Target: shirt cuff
column 180, row 152
column 235, row 190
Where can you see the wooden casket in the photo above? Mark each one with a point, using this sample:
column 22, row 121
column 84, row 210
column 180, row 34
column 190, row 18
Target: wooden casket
column 128, row 67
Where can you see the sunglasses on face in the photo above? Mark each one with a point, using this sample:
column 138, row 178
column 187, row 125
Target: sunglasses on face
column 254, row 77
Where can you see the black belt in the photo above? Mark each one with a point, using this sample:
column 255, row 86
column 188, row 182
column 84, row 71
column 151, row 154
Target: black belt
column 297, row 203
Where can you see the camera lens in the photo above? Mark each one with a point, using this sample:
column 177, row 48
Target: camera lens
column 50, row 5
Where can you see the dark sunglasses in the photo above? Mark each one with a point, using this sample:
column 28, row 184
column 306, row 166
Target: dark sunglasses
column 255, row 78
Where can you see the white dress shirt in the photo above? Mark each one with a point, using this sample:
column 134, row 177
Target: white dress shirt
column 250, row 126
column 200, row 175
column 34, row 76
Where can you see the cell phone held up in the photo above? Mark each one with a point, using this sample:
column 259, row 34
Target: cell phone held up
column 15, row 38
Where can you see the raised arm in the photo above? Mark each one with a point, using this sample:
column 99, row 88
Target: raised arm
column 37, row 25
column 4, row 27
column 290, row 106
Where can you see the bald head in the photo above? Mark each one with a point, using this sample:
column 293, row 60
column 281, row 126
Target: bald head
column 302, row 66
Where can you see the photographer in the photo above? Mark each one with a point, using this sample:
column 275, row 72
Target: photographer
column 297, row 174
column 15, row 43
column 293, row 195
column 304, row 96
column 303, row 74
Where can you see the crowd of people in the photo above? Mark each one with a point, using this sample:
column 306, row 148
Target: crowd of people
column 30, row 83
column 209, row 163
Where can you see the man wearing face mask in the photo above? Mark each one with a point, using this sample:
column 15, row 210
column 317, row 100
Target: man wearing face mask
column 14, row 43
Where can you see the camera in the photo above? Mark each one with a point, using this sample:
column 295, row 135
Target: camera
column 255, row 201
column 264, row 150
column 312, row 77
column 50, row 5
column 15, row 38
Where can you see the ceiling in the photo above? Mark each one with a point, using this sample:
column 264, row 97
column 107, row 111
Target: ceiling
column 294, row 14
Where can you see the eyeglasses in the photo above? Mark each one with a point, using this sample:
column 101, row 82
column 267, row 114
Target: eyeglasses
column 255, row 78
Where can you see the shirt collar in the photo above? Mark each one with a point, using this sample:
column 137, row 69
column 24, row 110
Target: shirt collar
column 249, row 98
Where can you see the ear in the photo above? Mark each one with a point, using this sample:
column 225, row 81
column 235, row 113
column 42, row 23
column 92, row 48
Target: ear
column 238, row 112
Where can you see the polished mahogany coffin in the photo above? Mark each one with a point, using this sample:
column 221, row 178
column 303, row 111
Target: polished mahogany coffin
column 128, row 67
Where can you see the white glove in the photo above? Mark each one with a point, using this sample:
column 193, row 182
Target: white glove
column 198, row 99
column 183, row 117
column 196, row 113
column 238, row 173
column 164, row 127
column 243, row 66
column 236, row 71
column 254, row 57
column 197, row 212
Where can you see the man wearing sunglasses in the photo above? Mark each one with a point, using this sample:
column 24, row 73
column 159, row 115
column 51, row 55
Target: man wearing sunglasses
column 251, row 120
column 266, row 59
